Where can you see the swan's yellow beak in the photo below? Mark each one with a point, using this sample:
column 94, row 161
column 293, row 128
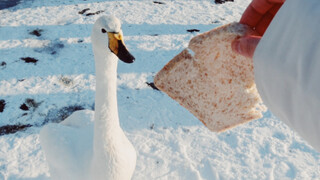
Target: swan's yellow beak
column 117, row 46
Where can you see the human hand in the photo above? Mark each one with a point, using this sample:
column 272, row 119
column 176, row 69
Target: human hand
column 258, row 16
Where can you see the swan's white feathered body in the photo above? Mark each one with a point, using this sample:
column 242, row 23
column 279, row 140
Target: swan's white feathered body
column 91, row 145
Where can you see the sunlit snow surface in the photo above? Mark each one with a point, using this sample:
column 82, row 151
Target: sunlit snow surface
column 58, row 78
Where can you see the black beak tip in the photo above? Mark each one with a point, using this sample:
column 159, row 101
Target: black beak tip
column 131, row 59
column 128, row 58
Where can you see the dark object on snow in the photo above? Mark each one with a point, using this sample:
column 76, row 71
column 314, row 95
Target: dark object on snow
column 2, row 104
column 3, row 64
column 36, row 32
column 158, row 2
column 216, row 22
column 89, row 14
column 32, row 103
column 54, row 47
column 24, row 107
column 29, row 103
column 193, row 30
column 152, row 127
column 10, row 129
column 151, row 84
column 221, row 1
column 83, row 11
column 98, row 12
column 4, row 4
column 29, row 60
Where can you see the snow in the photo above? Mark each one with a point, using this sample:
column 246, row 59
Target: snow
column 170, row 142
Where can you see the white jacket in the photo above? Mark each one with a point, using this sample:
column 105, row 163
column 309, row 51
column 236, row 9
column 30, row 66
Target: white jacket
column 287, row 67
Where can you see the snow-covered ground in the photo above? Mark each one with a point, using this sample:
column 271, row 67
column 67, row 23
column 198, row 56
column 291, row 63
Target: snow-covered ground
column 47, row 72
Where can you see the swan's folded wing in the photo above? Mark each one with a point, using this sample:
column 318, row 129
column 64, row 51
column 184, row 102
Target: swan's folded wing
column 67, row 150
column 212, row 82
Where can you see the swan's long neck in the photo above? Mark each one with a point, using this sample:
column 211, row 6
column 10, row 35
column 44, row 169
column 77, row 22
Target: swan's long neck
column 106, row 126
column 106, row 107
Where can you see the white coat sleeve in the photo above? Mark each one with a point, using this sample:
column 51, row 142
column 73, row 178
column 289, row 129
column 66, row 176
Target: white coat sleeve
column 287, row 68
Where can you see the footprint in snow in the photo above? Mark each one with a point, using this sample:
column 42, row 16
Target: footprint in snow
column 53, row 48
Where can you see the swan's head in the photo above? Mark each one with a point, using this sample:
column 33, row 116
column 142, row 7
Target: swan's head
column 107, row 37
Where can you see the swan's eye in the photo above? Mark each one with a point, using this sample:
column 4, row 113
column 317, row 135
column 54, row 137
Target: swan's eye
column 103, row 30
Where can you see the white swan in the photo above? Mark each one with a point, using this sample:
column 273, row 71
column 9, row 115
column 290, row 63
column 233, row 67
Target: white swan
column 82, row 149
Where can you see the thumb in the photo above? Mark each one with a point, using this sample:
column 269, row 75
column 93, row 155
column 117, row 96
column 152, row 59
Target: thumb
column 246, row 45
